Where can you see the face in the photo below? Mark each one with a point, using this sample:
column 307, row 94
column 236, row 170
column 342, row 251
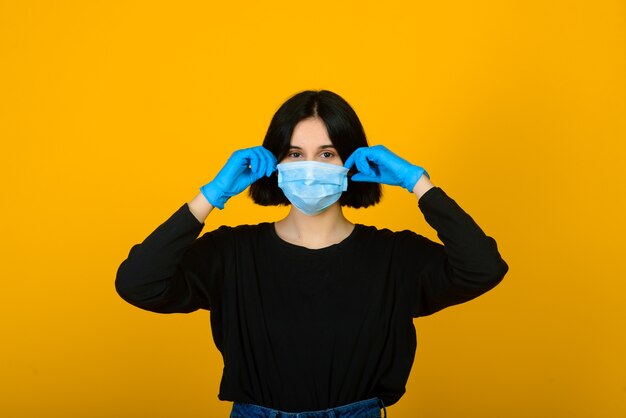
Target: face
column 310, row 142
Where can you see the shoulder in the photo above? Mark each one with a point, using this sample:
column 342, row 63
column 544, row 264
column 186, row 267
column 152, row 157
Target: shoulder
column 225, row 240
column 386, row 236
column 238, row 231
column 405, row 249
column 375, row 231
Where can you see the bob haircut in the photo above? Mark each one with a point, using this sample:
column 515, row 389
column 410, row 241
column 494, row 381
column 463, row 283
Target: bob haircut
column 345, row 132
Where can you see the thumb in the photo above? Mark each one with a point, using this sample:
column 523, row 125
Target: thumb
column 365, row 178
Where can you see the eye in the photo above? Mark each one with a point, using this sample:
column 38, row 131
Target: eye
column 294, row 154
column 327, row 154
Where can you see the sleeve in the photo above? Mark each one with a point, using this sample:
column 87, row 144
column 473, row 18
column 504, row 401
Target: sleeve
column 467, row 265
column 170, row 270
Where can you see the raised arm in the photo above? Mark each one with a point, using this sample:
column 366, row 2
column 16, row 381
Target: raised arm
column 153, row 276
column 467, row 265
column 166, row 273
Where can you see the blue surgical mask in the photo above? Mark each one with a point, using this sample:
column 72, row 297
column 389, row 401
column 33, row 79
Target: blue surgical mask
column 312, row 186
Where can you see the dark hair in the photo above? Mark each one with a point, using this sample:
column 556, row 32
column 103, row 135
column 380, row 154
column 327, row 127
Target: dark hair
column 345, row 132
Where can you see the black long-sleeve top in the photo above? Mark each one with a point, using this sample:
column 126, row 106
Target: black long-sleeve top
column 308, row 329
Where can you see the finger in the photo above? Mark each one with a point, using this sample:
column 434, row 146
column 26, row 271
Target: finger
column 242, row 157
column 364, row 178
column 258, row 165
column 350, row 161
column 363, row 163
column 270, row 160
column 356, row 159
column 376, row 154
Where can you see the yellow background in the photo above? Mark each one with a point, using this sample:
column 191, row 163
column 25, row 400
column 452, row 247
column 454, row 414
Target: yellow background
column 114, row 113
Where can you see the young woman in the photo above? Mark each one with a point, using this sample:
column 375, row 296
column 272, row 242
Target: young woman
column 312, row 312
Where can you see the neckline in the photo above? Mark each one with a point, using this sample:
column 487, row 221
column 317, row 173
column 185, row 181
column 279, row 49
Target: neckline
column 302, row 249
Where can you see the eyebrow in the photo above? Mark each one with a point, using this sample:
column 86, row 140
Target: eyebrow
column 320, row 147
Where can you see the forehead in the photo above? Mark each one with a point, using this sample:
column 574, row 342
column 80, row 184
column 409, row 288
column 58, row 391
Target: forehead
column 310, row 132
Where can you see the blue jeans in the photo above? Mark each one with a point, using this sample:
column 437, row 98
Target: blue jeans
column 369, row 408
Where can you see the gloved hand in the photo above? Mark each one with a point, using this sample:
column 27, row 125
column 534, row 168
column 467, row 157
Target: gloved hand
column 243, row 168
column 379, row 165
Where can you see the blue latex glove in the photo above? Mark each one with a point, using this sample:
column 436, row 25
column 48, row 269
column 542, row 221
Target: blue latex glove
column 243, row 168
column 379, row 165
